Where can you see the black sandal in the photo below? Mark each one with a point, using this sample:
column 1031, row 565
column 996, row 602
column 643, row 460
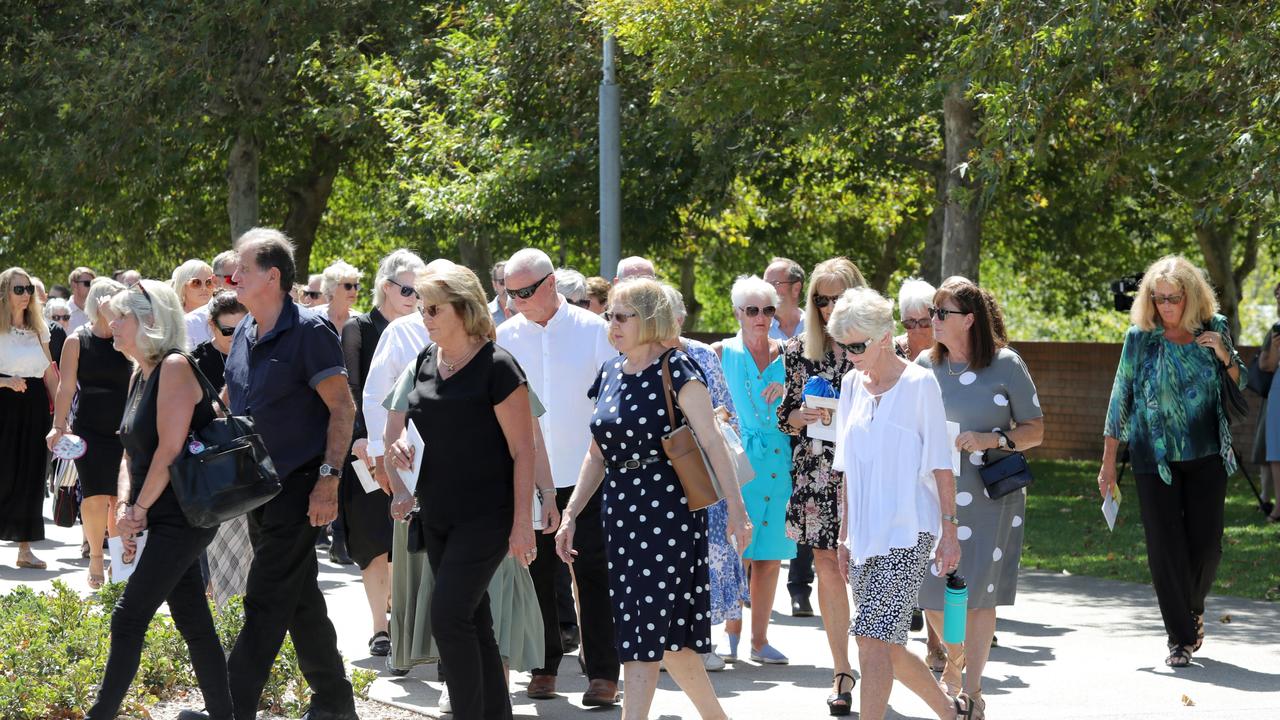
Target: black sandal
column 1199, row 632
column 380, row 644
column 1179, row 657
column 965, row 711
column 841, row 703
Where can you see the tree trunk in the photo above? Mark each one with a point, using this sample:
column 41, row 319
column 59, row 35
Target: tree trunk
column 475, row 252
column 242, row 184
column 1217, row 244
column 931, row 259
column 962, row 224
column 308, row 194
column 887, row 264
column 688, row 281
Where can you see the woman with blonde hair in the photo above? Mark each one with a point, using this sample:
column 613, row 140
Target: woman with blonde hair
column 813, row 513
column 340, row 286
column 27, row 381
column 193, row 282
column 92, row 368
column 1167, row 406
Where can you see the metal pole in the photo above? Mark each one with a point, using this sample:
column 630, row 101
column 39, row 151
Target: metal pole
column 610, row 167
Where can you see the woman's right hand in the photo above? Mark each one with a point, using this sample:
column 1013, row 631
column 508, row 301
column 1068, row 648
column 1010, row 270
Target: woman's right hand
column 803, row 417
column 1106, row 479
column 53, row 437
column 15, row 384
column 564, row 539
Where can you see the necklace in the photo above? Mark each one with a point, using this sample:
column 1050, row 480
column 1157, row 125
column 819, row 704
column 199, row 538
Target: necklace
column 451, row 366
column 953, row 372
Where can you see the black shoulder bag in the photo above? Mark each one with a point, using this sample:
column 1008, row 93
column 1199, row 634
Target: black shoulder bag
column 1005, row 475
column 224, row 470
column 1234, row 403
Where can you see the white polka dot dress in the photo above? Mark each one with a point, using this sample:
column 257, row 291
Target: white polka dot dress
column 990, row 531
column 659, row 582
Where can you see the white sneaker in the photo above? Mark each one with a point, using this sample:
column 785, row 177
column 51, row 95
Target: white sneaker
column 713, row 662
column 444, row 705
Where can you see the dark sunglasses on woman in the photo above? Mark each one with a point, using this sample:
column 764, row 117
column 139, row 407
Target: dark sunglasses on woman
column 405, row 290
column 349, row 286
column 914, row 324
column 752, row 310
column 621, row 317
column 943, row 313
column 28, row 289
column 821, row 301
column 61, row 318
column 226, row 331
column 853, row 348
column 527, row 291
column 311, row 294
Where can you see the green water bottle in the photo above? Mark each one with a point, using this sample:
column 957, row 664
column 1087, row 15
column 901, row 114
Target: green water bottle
column 955, row 609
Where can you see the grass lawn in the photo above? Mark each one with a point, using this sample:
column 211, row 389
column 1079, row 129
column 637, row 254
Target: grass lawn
column 1066, row 531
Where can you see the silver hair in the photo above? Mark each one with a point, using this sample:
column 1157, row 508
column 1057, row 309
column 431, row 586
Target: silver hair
column 635, row 266
column 221, row 260
column 914, row 295
column 571, row 284
column 103, row 287
column 315, row 277
column 397, row 262
column 529, row 260
column 161, row 325
column 746, row 287
column 54, row 305
column 861, row 311
column 337, row 273
column 677, row 302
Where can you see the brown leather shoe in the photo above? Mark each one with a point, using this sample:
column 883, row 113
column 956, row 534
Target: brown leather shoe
column 601, row 692
column 542, row 687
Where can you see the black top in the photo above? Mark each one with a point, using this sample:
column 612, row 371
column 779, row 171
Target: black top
column 359, row 340
column 57, row 336
column 212, row 363
column 467, row 469
column 102, row 375
column 138, row 432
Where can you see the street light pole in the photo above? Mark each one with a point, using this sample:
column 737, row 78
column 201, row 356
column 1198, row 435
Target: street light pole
column 610, row 166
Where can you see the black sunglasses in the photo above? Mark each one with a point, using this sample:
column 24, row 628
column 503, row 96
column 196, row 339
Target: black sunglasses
column 85, row 283
column 226, row 331
column 311, row 294
column 405, row 290
column 527, row 291
column 913, row 324
column 584, row 303
column 60, row 318
column 351, row 286
column 28, row 289
column 853, row 348
column 621, row 317
column 821, row 301
column 943, row 313
column 752, row 310
column 434, row 310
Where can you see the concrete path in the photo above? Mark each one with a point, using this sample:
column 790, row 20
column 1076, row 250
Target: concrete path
column 1072, row 647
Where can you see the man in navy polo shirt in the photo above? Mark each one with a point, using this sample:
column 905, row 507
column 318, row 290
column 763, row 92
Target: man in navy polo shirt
column 286, row 371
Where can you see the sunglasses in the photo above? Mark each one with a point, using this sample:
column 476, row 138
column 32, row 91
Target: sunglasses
column 914, row 324
column 853, row 348
column 434, row 310
column 405, row 290
column 752, row 310
column 226, row 331
column 61, row 318
column 584, row 304
column 943, row 313
column 141, row 288
column 197, row 282
column 621, row 317
column 1166, row 299
column 350, row 286
column 28, row 289
column 821, row 301
column 226, row 280
column 85, row 283
column 527, row 291
column 311, row 294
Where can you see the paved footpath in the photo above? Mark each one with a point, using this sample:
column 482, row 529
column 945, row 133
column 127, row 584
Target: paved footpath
column 1072, row 647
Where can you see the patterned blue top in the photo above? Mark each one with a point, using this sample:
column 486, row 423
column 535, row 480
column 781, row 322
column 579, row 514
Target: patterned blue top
column 709, row 362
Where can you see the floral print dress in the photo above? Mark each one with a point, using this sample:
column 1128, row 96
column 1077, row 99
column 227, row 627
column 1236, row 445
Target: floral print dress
column 817, row 495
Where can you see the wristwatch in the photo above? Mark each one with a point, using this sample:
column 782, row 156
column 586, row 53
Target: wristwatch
column 951, row 519
column 330, row 471
column 1003, row 440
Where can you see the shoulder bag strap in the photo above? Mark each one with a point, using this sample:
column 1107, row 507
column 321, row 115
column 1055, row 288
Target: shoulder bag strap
column 205, row 384
column 668, row 391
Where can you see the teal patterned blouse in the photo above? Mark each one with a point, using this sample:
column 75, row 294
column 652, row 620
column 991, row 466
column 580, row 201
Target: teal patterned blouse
column 1165, row 401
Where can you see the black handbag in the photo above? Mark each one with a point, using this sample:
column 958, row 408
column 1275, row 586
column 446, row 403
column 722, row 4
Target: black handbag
column 224, row 471
column 1234, row 403
column 1258, row 380
column 416, row 536
column 1005, row 475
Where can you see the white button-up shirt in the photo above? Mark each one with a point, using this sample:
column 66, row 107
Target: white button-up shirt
column 561, row 361
column 78, row 316
column 198, row 330
column 399, row 344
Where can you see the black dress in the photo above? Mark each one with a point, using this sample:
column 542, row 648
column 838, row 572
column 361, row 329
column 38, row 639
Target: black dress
column 659, row 580
column 24, row 422
column 366, row 516
column 102, row 375
column 211, row 362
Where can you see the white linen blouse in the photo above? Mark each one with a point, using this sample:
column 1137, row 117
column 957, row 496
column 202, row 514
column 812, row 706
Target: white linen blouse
column 888, row 454
column 22, row 354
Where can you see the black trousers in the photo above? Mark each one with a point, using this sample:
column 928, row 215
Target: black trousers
column 464, row 556
column 800, row 572
column 282, row 595
column 168, row 570
column 1183, row 523
column 591, row 570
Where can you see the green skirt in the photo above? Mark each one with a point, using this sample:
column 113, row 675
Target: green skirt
column 517, row 620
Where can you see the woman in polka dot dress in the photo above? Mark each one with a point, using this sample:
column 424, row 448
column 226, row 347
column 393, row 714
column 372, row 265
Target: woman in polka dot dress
column 986, row 389
column 659, row 585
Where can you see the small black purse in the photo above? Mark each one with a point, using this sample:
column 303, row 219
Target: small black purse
column 224, row 471
column 1005, row 475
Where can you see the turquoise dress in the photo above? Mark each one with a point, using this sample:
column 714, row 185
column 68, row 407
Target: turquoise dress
column 769, row 450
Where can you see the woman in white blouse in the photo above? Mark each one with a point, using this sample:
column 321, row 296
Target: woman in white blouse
column 27, row 380
column 891, row 443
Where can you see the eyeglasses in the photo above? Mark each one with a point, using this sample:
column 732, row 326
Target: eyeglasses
column 752, row 310
column 434, row 310
column 226, row 280
column 527, row 291
column 943, row 313
column 914, row 324
column 197, row 282
column 821, row 301
column 621, row 317
column 405, row 290
column 349, row 286
column 1167, row 299
column 778, row 283
column 28, row 289
column 854, row 348
column 584, row 303
column 85, row 283
column 226, row 331
column 311, row 294
column 60, row 318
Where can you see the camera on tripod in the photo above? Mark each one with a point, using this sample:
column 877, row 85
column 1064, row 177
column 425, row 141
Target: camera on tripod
column 1122, row 291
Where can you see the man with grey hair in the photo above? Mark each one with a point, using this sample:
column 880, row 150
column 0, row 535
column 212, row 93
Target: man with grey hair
column 224, row 267
column 80, row 279
column 561, row 348
column 634, row 267
column 286, row 371
column 498, row 305
column 573, row 286
column 787, row 277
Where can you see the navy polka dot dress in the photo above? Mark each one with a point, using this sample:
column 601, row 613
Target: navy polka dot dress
column 659, row 583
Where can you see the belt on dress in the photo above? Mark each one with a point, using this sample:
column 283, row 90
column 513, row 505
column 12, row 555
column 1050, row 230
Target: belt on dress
column 634, row 464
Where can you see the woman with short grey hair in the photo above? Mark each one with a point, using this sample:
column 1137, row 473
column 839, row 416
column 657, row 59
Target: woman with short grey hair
column 899, row 508
column 914, row 299
column 573, row 286
column 340, row 285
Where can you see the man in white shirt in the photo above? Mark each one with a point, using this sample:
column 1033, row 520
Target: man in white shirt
column 787, row 277
column 498, row 305
column 80, row 279
column 399, row 344
column 561, row 347
column 197, row 321
column 634, row 267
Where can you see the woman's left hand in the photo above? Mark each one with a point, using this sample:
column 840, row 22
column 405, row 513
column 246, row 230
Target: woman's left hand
column 970, row 441
column 772, row 392
column 1213, row 341
column 133, row 521
column 521, row 543
column 947, row 555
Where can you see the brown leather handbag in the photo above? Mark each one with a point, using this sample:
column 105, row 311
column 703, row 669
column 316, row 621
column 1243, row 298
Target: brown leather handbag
column 686, row 455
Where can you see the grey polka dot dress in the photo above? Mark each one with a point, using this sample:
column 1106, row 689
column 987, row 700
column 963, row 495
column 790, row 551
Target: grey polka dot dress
column 659, row 580
column 990, row 531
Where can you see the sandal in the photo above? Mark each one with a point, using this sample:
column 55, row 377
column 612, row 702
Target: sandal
column 380, row 644
column 965, row 710
column 1199, row 632
column 977, row 706
column 96, row 578
column 937, row 659
column 1179, row 657
column 32, row 562
column 841, row 703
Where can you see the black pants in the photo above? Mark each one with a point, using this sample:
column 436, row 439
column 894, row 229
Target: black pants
column 1183, row 523
column 168, row 570
column 591, row 570
column 800, row 572
column 464, row 556
column 282, row 595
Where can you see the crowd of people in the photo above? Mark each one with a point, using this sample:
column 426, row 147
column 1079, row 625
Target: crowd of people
column 499, row 467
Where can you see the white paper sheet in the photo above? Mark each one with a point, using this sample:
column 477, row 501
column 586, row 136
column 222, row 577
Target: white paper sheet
column 953, row 432
column 365, row 475
column 537, row 510
column 825, row 429
column 120, row 571
column 410, row 476
column 1110, row 509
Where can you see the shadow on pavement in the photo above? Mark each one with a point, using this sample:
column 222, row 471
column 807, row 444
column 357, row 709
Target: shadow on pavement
column 1216, row 673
